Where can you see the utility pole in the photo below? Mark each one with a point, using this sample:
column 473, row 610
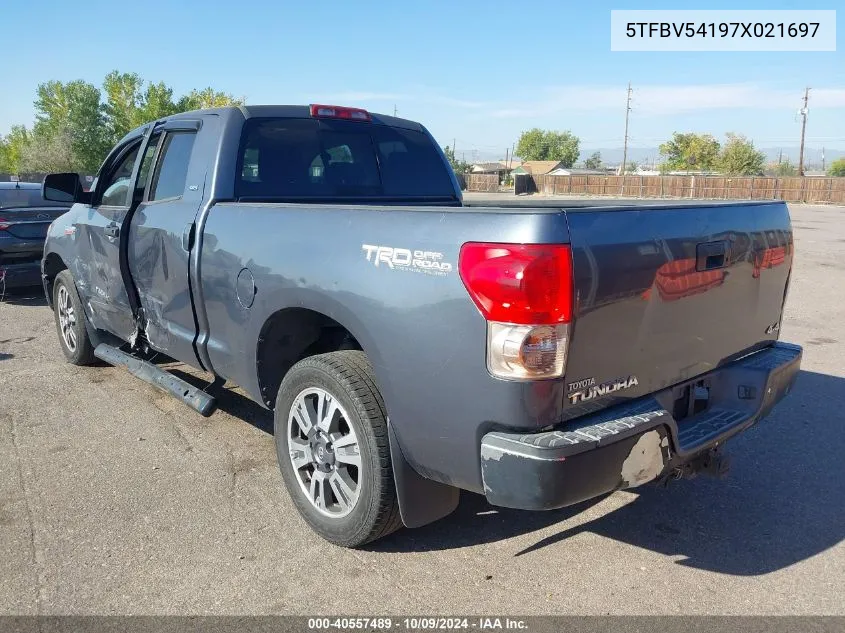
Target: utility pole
column 625, row 146
column 823, row 166
column 394, row 109
column 803, row 111
column 513, row 145
column 506, row 157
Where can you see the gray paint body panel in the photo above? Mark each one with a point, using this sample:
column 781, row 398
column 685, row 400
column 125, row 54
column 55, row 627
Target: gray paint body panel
column 643, row 308
column 423, row 334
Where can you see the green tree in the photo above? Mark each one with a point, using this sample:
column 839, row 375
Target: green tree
column 537, row 144
column 76, row 123
column 458, row 166
column 51, row 152
column 208, row 98
column 693, row 152
column 11, row 148
column 740, row 158
column 156, row 103
column 594, row 161
column 124, row 93
column 837, row 168
column 783, row 169
column 72, row 110
column 129, row 104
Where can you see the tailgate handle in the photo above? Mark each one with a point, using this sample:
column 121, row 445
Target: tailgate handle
column 711, row 255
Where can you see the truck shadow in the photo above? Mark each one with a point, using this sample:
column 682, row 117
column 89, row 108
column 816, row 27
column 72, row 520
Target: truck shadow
column 782, row 502
column 229, row 399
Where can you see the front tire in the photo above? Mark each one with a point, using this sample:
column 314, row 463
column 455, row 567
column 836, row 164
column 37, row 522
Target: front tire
column 333, row 451
column 70, row 321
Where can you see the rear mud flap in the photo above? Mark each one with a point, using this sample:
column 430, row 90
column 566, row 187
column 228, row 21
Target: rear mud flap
column 421, row 500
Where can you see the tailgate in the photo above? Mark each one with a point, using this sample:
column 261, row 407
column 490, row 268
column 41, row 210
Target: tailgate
column 668, row 293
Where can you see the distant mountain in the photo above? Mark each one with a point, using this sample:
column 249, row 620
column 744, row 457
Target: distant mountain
column 613, row 155
column 651, row 155
column 647, row 155
column 812, row 155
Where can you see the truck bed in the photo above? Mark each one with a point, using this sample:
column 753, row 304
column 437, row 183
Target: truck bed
column 576, row 205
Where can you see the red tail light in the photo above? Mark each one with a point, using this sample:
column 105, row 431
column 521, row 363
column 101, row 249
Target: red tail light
column 529, row 284
column 339, row 112
column 4, row 224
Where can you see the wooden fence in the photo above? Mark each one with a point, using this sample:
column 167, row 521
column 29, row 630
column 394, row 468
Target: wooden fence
column 482, row 182
column 793, row 189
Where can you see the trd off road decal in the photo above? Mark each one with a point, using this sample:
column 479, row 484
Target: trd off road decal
column 587, row 389
column 428, row 262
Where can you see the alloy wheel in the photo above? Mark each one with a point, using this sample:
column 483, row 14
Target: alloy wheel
column 324, row 451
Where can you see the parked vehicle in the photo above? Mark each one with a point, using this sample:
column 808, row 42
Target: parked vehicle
column 412, row 346
column 24, row 218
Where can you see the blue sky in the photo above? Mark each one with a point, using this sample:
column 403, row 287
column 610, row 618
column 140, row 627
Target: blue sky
column 478, row 72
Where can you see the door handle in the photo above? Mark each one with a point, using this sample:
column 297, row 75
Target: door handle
column 711, row 255
column 188, row 236
column 112, row 230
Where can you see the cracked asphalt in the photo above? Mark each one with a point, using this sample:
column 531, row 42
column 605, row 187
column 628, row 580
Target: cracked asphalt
column 116, row 499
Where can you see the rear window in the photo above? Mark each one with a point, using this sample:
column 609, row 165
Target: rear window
column 309, row 158
column 17, row 198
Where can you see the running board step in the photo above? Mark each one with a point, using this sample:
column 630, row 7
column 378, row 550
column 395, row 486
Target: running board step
column 195, row 398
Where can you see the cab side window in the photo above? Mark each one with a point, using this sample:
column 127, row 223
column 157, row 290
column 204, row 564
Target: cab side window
column 116, row 187
column 171, row 172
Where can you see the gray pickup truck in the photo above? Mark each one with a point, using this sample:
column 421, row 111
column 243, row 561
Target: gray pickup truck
column 410, row 345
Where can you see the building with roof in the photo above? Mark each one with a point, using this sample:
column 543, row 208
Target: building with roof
column 488, row 168
column 537, row 167
column 577, row 171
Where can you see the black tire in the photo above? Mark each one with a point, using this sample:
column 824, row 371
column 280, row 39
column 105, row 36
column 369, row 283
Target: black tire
column 81, row 352
column 347, row 377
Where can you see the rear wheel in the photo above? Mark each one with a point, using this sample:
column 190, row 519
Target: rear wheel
column 332, row 447
column 70, row 321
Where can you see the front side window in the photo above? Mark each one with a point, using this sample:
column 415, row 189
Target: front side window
column 171, row 174
column 146, row 165
column 116, row 188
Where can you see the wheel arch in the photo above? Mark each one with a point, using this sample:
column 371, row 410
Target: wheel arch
column 52, row 266
column 290, row 334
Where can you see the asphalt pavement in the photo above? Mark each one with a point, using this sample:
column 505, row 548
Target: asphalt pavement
column 117, row 499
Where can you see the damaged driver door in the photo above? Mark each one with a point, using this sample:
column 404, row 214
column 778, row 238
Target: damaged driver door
column 101, row 278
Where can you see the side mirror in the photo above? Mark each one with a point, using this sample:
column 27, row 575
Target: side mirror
column 65, row 187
